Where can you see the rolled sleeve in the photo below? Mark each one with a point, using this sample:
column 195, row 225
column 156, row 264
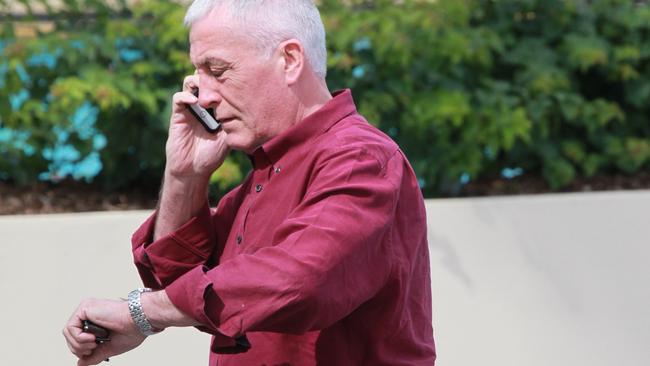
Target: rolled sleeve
column 162, row 261
column 188, row 293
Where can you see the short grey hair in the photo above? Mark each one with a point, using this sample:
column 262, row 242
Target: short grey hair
column 270, row 22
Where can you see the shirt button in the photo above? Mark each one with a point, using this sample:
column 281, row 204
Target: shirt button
column 239, row 239
column 258, row 188
column 277, row 169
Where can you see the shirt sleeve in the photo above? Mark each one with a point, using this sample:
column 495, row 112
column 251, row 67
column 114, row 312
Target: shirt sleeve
column 161, row 262
column 326, row 259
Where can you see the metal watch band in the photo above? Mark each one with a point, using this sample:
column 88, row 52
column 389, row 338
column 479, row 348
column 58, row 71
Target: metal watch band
column 137, row 314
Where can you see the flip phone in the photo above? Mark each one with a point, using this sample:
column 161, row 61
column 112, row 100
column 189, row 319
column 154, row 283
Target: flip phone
column 205, row 116
column 101, row 334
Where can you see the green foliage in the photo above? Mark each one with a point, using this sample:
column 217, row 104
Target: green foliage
column 125, row 67
column 468, row 88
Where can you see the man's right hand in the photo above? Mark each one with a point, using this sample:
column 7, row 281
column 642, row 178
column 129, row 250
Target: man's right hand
column 192, row 152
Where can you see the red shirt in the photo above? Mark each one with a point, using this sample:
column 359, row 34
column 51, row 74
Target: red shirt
column 319, row 257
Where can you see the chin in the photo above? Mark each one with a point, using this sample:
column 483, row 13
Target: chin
column 241, row 144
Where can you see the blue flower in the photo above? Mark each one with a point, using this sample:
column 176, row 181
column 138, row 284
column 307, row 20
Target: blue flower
column 77, row 44
column 28, row 149
column 13, row 139
column 17, row 100
column 465, row 178
column 43, row 59
column 510, row 173
column 83, row 120
column 22, row 74
column 489, row 153
column 99, row 141
column 6, row 134
column 362, row 44
column 131, row 55
column 359, row 71
column 61, row 134
column 89, row 167
column 65, row 153
column 48, row 153
column 64, row 170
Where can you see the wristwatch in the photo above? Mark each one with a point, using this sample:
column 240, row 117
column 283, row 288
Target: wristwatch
column 137, row 314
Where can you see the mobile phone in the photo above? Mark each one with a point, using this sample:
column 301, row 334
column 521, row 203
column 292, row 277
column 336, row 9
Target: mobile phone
column 205, row 116
column 101, row 334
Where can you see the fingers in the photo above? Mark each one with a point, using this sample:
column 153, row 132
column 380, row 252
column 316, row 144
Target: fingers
column 99, row 355
column 180, row 109
column 79, row 343
column 180, row 100
column 190, row 82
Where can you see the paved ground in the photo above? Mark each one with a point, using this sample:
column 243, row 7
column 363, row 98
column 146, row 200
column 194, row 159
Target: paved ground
column 554, row 279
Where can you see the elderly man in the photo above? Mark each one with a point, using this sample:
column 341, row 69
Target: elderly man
column 320, row 256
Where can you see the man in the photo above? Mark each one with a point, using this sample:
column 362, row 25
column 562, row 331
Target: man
column 320, row 256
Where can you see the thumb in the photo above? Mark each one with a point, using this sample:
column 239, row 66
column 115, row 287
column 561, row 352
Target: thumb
column 99, row 355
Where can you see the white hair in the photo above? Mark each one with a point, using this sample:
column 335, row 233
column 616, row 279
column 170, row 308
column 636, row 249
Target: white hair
column 269, row 22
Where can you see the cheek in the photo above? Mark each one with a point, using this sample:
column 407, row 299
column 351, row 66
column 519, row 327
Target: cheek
column 258, row 97
column 270, row 95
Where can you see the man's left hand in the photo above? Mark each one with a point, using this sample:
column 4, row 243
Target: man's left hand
column 113, row 315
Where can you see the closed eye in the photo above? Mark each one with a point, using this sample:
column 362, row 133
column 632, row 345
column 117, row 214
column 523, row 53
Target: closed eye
column 217, row 73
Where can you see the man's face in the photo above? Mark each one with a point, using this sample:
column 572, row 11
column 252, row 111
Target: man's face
column 244, row 86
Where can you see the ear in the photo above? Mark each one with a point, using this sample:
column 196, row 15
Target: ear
column 293, row 60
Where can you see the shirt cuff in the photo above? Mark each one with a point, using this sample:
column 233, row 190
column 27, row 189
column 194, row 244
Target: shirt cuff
column 188, row 294
column 176, row 253
column 144, row 234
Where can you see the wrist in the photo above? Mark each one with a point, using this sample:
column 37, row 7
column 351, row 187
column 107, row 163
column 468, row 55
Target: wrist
column 189, row 190
column 138, row 315
column 162, row 313
column 184, row 185
column 180, row 200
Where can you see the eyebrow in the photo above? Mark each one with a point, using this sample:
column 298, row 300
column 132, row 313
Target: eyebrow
column 211, row 60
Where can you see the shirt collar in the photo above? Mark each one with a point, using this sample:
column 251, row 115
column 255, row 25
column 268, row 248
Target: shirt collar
column 337, row 108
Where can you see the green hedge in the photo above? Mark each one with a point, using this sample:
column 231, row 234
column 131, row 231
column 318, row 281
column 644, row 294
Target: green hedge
column 470, row 89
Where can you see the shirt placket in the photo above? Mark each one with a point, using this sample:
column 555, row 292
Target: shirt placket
column 243, row 238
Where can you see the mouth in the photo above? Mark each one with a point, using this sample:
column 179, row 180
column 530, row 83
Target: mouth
column 224, row 120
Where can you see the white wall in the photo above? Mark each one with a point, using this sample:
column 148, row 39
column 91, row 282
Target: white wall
column 542, row 280
column 533, row 280
column 49, row 263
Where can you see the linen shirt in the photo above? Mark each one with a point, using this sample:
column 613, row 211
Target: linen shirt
column 319, row 257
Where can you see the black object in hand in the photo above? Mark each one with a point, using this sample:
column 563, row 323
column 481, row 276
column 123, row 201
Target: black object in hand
column 205, row 116
column 101, row 334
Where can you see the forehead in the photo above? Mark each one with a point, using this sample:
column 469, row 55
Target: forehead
column 215, row 37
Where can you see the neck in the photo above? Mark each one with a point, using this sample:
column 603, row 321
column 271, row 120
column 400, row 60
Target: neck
column 312, row 95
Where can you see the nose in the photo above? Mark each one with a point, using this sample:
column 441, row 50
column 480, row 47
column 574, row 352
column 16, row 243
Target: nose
column 209, row 96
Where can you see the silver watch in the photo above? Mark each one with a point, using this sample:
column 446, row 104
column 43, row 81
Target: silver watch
column 137, row 314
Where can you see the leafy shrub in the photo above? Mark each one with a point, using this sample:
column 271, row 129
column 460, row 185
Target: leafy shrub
column 468, row 88
column 475, row 89
column 118, row 74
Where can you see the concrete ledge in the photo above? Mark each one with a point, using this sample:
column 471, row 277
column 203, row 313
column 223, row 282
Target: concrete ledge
column 527, row 280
